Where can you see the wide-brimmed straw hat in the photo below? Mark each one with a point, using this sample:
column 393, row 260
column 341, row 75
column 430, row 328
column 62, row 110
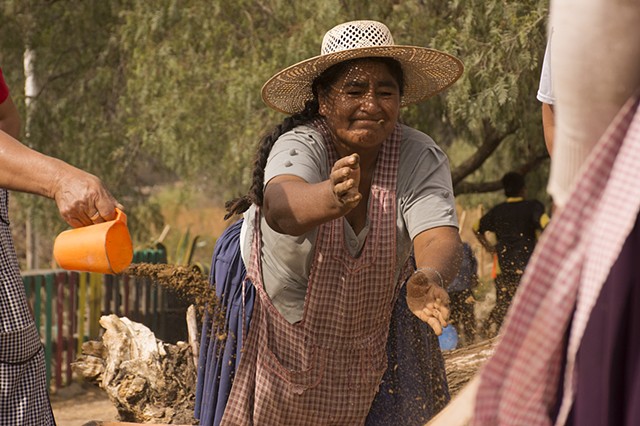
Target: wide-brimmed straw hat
column 426, row 71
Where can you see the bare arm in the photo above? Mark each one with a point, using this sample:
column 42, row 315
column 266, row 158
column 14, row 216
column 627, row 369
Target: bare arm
column 293, row 206
column 9, row 118
column 485, row 243
column 548, row 125
column 438, row 253
column 81, row 197
column 439, row 248
column 596, row 68
column 78, row 194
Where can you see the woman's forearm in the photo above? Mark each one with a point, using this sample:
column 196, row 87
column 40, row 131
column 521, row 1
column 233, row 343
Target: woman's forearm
column 23, row 169
column 81, row 197
column 294, row 207
column 440, row 249
column 9, row 118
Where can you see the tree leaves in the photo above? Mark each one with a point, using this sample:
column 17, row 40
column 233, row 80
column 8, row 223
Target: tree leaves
column 138, row 91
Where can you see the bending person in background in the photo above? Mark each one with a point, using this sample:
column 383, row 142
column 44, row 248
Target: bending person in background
column 82, row 200
column 516, row 223
column 342, row 195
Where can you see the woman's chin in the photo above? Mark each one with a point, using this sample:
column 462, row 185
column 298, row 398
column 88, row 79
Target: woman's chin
column 367, row 138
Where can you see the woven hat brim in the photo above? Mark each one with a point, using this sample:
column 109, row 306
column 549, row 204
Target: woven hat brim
column 427, row 72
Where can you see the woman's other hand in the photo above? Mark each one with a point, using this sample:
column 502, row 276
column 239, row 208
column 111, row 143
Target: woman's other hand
column 428, row 300
column 438, row 253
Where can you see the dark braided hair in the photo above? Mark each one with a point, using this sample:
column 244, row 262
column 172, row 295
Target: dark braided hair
column 256, row 194
column 322, row 83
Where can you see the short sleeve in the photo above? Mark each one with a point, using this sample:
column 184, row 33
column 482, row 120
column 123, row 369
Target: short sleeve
column 424, row 184
column 4, row 89
column 545, row 88
column 300, row 152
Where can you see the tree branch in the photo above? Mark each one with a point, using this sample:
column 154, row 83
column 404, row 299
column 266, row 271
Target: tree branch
column 496, row 185
column 491, row 142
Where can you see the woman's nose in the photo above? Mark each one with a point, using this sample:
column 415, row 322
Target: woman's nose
column 370, row 102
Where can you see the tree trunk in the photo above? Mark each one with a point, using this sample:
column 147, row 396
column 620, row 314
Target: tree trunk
column 153, row 382
column 30, row 93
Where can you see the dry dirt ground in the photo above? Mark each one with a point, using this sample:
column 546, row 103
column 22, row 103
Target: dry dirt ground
column 79, row 404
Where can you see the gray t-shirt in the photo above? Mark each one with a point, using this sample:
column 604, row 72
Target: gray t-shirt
column 424, row 194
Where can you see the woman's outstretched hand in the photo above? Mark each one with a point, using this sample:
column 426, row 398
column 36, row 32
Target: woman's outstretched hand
column 428, row 300
column 345, row 179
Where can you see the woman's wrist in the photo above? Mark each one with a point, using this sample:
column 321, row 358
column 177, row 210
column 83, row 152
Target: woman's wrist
column 430, row 272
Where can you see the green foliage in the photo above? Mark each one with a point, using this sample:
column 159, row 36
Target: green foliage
column 501, row 44
column 75, row 114
column 141, row 93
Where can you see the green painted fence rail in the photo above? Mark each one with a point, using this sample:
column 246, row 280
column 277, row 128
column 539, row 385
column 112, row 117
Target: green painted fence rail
column 67, row 307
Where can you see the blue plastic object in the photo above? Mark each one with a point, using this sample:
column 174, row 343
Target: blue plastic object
column 449, row 338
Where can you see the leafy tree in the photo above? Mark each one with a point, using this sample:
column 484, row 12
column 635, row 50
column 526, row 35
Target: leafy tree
column 210, row 112
column 73, row 114
column 144, row 93
column 492, row 109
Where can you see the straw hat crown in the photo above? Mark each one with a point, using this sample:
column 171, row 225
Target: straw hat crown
column 354, row 35
column 426, row 71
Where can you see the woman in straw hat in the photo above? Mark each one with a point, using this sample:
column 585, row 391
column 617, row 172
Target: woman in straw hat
column 342, row 194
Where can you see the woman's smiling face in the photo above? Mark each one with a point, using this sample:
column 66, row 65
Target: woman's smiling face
column 362, row 106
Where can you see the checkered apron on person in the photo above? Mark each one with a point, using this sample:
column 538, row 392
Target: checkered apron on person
column 562, row 283
column 325, row 370
column 23, row 386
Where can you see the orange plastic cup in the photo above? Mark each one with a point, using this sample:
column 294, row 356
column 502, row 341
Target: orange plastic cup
column 104, row 247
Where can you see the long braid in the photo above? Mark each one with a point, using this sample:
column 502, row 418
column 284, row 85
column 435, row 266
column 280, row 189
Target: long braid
column 256, row 194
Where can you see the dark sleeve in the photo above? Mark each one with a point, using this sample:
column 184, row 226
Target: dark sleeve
column 538, row 211
column 4, row 89
column 486, row 223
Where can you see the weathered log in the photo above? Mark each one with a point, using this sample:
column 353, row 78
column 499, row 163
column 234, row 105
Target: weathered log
column 462, row 364
column 147, row 380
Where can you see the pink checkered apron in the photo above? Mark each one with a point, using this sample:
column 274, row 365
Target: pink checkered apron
column 325, row 370
column 562, row 283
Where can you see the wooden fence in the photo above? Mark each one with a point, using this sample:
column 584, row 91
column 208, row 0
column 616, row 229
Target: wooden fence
column 67, row 307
